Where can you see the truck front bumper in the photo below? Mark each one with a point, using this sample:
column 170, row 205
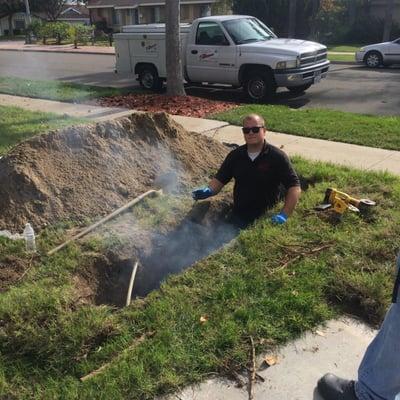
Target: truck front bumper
column 301, row 76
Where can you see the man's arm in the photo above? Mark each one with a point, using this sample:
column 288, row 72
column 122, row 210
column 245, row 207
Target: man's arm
column 215, row 185
column 291, row 199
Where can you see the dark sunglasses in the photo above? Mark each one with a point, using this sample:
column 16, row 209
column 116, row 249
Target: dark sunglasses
column 253, row 129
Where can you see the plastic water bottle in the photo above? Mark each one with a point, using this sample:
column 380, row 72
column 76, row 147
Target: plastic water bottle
column 29, row 235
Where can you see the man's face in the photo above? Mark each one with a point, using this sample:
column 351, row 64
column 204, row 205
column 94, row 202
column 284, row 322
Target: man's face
column 251, row 137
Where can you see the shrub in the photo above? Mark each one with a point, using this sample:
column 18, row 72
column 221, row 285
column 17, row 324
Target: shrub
column 80, row 33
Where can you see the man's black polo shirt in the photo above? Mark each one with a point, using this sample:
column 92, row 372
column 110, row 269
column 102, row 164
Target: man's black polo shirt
column 258, row 182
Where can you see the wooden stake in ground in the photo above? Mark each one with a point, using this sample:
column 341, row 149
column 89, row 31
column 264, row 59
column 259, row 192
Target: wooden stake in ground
column 105, row 219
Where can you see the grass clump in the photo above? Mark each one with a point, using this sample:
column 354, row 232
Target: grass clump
column 365, row 130
column 17, row 124
column 55, row 90
column 267, row 284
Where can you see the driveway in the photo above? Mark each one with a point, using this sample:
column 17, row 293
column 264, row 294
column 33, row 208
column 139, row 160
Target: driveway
column 347, row 88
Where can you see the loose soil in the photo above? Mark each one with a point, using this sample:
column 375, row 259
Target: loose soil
column 87, row 171
column 189, row 106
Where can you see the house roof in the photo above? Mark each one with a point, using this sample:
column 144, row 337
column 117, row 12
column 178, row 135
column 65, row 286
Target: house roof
column 137, row 3
column 74, row 11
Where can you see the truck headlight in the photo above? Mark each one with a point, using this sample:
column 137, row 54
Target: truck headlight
column 287, row 64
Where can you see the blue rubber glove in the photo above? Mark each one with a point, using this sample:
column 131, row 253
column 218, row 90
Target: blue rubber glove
column 279, row 219
column 202, row 193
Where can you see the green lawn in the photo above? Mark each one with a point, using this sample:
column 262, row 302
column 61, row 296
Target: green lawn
column 342, row 57
column 271, row 284
column 345, row 48
column 366, row 130
column 17, row 124
column 55, row 90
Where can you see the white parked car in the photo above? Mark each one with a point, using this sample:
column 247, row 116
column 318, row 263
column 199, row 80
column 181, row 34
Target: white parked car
column 378, row 54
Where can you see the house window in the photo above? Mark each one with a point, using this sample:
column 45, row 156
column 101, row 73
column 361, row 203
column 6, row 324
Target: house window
column 116, row 17
column 185, row 15
column 19, row 24
column 155, row 13
column 205, row 10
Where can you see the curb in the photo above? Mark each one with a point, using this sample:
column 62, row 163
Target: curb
column 60, row 51
column 345, row 63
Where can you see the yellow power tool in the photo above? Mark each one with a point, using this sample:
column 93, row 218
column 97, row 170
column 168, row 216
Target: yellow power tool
column 340, row 202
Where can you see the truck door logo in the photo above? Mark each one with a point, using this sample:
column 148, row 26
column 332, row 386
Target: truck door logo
column 205, row 55
column 151, row 48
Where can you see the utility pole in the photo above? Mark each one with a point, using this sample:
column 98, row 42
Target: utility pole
column 28, row 12
column 28, row 38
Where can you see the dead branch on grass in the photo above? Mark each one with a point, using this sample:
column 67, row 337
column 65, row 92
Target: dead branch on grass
column 98, row 371
column 300, row 254
column 252, row 369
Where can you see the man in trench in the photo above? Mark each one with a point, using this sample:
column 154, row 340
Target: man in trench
column 262, row 173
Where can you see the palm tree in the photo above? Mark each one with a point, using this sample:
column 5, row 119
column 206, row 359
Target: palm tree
column 173, row 54
column 388, row 20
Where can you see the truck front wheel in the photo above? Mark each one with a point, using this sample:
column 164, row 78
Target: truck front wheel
column 299, row 89
column 259, row 86
column 148, row 79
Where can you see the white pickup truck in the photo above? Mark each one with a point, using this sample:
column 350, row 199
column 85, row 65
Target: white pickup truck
column 234, row 50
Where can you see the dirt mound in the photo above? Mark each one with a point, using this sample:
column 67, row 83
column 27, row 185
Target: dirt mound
column 89, row 170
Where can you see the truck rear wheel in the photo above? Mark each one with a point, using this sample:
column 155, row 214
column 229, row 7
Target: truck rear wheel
column 149, row 79
column 259, row 86
column 299, row 89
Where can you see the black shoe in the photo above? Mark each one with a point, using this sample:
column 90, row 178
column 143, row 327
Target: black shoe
column 332, row 387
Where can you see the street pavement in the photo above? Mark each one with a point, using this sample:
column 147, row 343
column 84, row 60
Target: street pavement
column 348, row 87
column 87, row 69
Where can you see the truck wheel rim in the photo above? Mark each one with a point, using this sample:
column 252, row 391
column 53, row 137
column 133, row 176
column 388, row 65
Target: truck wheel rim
column 257, row 88
column 373, row 60
column 148, row 80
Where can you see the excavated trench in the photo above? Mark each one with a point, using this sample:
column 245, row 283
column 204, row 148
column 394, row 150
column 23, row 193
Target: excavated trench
column 205, row 229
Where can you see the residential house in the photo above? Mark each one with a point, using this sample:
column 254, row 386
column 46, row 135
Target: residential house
column 72, row 13
column 378, row 9
column 115, row 13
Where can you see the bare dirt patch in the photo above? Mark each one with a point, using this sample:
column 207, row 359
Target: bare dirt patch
column 189, row 106
column 86, row 171
column 11, row 270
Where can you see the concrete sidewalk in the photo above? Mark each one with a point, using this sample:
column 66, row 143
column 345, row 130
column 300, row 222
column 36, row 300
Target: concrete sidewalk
column 65, row 48
column 336, row 348
column 362, row 157
column 93, row 112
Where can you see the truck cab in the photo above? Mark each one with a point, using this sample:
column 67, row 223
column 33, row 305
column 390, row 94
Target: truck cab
column 238, row 50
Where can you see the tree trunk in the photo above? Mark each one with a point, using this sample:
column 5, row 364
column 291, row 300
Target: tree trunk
column 292, row 18
column 173, row 53
column 10, row 26
column 352, row 7
column 313, row 19
column 388, row 20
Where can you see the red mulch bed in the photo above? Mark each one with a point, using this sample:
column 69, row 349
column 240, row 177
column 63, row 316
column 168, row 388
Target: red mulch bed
column 189, row 106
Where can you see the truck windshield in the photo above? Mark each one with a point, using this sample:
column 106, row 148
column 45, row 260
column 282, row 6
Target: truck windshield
column 247, row 30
